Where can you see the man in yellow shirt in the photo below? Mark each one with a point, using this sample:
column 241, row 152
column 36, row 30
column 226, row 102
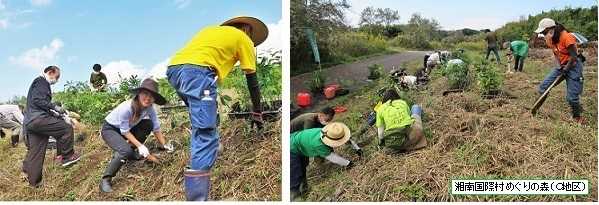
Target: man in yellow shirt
column 194, row 72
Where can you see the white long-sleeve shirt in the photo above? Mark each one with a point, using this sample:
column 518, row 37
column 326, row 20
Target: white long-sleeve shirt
column 12, row 112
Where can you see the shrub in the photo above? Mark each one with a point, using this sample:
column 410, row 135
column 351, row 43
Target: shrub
column 348, row 45
column 269, row 77
column 457, row 75
column 488, row 77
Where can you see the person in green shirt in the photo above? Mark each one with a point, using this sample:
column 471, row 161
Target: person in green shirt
column 315, row 142
column 98, row 79
column 396, row 128
column 519, row 51
column 318, row 120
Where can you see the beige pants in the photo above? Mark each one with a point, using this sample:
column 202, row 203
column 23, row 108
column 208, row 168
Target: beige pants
column 416, row 139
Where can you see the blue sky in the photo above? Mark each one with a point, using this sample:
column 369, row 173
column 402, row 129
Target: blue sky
column 130, row 37
column 457, row 14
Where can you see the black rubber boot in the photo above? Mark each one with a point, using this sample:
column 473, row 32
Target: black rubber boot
column 576, row 110
column 113, row 167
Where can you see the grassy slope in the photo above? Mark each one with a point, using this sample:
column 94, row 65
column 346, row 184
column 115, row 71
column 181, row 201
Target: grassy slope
column 248, row 168
column 469, row 137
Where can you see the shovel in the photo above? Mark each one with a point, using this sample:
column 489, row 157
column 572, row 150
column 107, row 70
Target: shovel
column 541, row 99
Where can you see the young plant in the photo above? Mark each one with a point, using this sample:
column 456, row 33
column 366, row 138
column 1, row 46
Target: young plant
column 488, row 78
column 375, row 71
column 317, row 83
column 457, row 76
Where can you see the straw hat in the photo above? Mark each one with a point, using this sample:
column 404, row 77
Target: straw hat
column 259, row 29
column 151, row 86
column 335, row 134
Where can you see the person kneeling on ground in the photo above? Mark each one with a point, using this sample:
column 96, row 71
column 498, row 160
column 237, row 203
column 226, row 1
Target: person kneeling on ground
column 40, row 123
column 312, row 120
column 396, row 128
column 318, row 120
column 11, row 121
column 432, row 61
column 127, row 127
column 315, row 142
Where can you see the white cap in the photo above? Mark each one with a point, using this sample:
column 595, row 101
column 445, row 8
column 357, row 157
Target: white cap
column 545, row 23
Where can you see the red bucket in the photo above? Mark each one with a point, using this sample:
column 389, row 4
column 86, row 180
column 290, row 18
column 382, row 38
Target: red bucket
column 303, row 99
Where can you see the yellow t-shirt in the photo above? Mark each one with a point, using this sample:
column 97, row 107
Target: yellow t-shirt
column 219, row 47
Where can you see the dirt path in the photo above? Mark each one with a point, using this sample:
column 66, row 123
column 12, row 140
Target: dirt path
column 355, row 74
column 357, row 71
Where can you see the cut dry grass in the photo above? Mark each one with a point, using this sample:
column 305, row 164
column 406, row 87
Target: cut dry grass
column 248, row 168
column 470, row 136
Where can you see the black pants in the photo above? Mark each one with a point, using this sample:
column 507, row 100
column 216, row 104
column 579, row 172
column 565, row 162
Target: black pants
column 299, row 163
column 38, row 133
column 494, row 49
column 123, row 150
column 519, row 63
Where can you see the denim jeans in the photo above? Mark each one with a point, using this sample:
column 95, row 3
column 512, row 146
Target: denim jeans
column 196, row 85
column 574, row 85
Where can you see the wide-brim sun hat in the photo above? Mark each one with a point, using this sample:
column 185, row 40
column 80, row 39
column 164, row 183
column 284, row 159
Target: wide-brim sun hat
column 151, row 86
column 544, row 24
column 335, row 134
column 259, row 29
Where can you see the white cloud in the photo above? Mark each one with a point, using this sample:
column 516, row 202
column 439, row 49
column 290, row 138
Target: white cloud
column 40, row 2
column 123, row 68
column 159, row 70
column 181, row 4
column 275, row 37
column 37, row 58
column 3, row 23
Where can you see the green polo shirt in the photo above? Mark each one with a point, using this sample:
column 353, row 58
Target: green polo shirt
column 308, row 143
column 520, row 48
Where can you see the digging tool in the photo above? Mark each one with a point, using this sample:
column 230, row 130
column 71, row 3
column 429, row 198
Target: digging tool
column 153, row 158
column 452, row 91
column 542, row 98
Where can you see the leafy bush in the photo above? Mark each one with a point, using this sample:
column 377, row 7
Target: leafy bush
column 457, row 75
column 348, row 45
column 94, row 106
column 168, row 92
column 269, row 72
column 488, row 77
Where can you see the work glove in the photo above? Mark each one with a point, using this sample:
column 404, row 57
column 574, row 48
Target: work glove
column 257, row 120
column 168, row 147
column 143, row 151
column 59, row 109
column 359, row 152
